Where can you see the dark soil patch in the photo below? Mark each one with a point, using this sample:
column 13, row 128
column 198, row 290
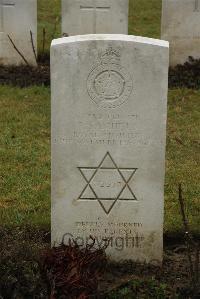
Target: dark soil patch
column 24, row 76
column 187, row 75
column 144, row 281
column 20, row 271
column 20, row 263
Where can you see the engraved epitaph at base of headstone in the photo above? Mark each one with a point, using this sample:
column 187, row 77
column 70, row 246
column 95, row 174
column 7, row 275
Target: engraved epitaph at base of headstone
column 94, row 16
column 17, row 19
column 109, row 109
column 181, row 27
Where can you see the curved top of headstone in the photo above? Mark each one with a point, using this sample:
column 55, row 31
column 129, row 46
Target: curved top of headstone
column 109, row 111
column 110, row 37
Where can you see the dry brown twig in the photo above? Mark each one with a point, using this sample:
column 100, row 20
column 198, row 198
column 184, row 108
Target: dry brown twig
column 17, row 50
column 191, row 245
column 55, row 28
column 43, row 40
column 73, row 271
column 33, row 47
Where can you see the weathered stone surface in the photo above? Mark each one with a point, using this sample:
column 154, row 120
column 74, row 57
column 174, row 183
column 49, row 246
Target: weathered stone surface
column 109, row 109
column 17, row 19
column 94, row 16
column 181, row 27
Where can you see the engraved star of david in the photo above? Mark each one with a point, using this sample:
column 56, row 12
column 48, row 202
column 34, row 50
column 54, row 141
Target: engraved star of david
column 107, row 183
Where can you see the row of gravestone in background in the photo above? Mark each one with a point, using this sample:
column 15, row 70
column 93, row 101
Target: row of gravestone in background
column 180, row 25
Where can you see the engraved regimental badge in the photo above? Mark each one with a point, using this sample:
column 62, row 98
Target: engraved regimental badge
column 109, row 84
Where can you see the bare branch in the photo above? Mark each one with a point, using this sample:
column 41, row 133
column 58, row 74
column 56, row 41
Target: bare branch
column 17, row 50
column 181, row 201
column 32, row 43
column 191, row 244
column 43, row 41
column 197, row 263
column 55, row 28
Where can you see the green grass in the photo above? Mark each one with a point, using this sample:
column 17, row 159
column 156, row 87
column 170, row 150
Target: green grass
column 183, row 158
column 144, row 19
column 140, row 289
column 49, row 18
column 25, row 156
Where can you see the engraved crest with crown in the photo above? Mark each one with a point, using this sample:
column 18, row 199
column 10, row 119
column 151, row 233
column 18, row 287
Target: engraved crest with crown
column 109, row 84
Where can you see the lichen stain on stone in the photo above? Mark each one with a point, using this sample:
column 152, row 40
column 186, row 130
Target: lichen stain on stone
column 151, row 239
column 151, row 248
column 75, row 202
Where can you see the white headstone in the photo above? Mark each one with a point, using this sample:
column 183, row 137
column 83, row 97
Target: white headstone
column 109, row 109
column 94, row 16
column 181, row 27
column 17, row 19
